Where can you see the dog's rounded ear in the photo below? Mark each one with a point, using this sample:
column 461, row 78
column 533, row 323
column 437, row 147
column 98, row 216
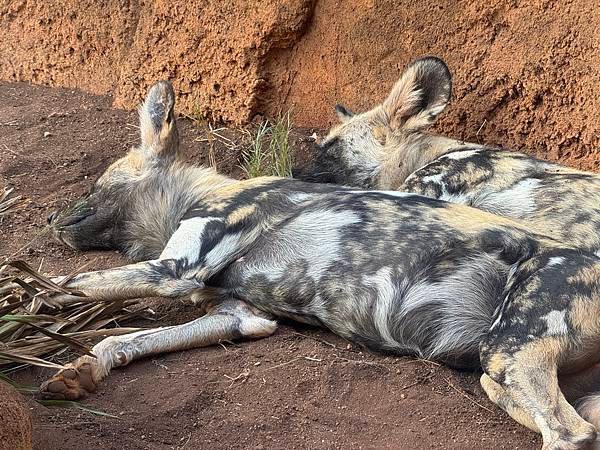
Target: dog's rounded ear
column 420, row 95
column 343, row 113
column 158, row 125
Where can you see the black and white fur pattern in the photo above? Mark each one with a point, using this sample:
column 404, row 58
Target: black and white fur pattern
column 393, row 271
column 389, row 147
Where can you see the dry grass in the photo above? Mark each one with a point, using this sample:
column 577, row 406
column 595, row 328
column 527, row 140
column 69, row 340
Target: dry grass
column 214, row 137
column 265, row 149
column 10, row 203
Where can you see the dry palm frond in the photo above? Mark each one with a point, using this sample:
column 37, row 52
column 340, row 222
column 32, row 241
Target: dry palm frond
column 34, row 332
column 10, row 204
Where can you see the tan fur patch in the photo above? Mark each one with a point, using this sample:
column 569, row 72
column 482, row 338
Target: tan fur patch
column 380, row 132
column 240, row 214
column 589, row 276
column 402, row 99
column 236, row 188
column 134, row 161
column 496, row 364
column 471, row 220
column 584, row 316
column 541, row 351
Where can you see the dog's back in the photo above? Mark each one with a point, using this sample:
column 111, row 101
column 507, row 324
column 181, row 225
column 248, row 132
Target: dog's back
column 550, row 199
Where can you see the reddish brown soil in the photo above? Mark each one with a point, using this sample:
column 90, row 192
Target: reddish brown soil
column 15, row 420
column 302, row 388
column 526, row 73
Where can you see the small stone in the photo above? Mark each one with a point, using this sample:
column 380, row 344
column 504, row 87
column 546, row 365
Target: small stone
column 47, row 134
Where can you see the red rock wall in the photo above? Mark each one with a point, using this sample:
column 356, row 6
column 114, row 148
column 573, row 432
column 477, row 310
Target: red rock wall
column 526, row 74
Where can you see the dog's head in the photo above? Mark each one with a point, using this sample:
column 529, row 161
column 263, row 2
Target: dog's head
column 96, row 221
column 354, row 150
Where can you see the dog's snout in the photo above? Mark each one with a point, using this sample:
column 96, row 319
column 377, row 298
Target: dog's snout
column 51, row 217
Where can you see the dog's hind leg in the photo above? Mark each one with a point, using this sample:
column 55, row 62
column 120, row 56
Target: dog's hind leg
column 580, row 389
column 500, row 397
column 544, row 326
column 528, row 376
column 548, row 323
column 227, row 320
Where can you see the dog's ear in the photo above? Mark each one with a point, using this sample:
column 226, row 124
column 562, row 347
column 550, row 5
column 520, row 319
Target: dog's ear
column 421, row 93
column 158, row 127
column 343, row 113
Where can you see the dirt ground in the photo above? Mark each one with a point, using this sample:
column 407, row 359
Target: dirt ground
column 302, row 388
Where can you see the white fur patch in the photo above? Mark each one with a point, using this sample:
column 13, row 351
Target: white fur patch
column 463, row 303
column 225, row 247
column 555, row 261
column 386, row 296
column 499, row 312
column 462, row 199
column 517, row 201
column 390, row 193
column 187, row 239
column 437, row 178
column 460, row 155
column 323, row 229
column 555, row 320
column 313, row 236
column 299, row 197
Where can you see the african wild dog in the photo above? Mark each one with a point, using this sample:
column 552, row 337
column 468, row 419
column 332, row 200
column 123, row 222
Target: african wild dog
column 388, row 148
column 396, row 272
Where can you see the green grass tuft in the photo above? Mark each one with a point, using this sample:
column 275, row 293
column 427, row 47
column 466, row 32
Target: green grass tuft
column 255, row 156
column 268, row 153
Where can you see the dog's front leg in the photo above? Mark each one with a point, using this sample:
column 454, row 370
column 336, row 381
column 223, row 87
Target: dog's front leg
column 161, row 277
column 208, row 244
column 227, row 320
column 198, row 249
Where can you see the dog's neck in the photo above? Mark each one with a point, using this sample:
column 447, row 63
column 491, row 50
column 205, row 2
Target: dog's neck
column 405, row 154
column 159, row 204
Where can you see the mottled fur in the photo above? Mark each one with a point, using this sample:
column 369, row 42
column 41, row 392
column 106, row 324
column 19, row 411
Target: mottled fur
column 393, row 271
column 388, row 148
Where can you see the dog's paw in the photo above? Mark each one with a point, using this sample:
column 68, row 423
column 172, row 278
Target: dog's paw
column 61, row 300
column 72, row 383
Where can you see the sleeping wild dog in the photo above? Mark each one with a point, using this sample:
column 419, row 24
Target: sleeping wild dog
column 388, row 148
column 396, row 272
